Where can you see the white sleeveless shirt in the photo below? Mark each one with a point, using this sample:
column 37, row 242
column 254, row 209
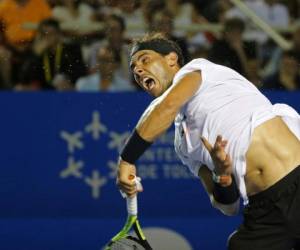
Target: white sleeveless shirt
column 225, row 104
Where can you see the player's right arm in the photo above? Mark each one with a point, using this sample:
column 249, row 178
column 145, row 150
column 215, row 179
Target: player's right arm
column 205, row 176
column 157, row 118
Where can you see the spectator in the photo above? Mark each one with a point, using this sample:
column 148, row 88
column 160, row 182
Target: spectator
column 161, row 21
column 296, row 41
column 273, row 64
column 211, row 10
column 287, row 77
column 271, row 11
column 55, row 64
column 184, row 14
column 293, row 7
column 19, row 18
column 5, row 61
column 230, row 50
column 132, row 12
column 253, row 71
column 108, row 77
column 28, row 80
column 75, row 17
column 115, row 28
column 15, row 14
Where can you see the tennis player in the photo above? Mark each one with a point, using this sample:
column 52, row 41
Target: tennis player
column 229, row 134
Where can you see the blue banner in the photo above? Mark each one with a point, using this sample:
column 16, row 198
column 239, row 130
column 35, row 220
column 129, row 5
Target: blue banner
column 58, row 168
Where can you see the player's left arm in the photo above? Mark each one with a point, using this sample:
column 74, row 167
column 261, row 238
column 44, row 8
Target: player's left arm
column 206, row 178
column 220, row 183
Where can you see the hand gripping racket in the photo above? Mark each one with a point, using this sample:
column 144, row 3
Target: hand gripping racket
column 124, row 241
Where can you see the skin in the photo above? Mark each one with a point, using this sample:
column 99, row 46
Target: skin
column 148, row 63
column 47, row 38
column 273, row 146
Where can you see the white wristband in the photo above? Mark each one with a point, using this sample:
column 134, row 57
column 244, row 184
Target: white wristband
column 217, row 178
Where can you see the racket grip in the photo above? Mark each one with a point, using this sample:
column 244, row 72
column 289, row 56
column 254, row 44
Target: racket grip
column 132, row 205
column 132, row 208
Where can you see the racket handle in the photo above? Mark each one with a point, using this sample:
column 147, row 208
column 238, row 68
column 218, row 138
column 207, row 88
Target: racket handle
column 132, row 208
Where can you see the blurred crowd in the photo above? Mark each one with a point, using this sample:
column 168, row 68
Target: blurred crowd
column 84, row 45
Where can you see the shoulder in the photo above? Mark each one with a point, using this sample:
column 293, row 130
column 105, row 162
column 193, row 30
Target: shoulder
column 60, row 12
column 196, row 65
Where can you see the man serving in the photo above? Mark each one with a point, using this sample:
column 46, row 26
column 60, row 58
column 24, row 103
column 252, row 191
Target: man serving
column 229, row 134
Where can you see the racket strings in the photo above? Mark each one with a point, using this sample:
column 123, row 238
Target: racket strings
column 128, row 243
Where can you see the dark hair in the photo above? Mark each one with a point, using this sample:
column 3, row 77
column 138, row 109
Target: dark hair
column 118, row 19
column 49, row 22
column 77, row 3
column 234, row 24
column 158, row 43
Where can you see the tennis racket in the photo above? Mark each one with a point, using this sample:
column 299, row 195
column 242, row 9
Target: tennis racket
column 124, row 241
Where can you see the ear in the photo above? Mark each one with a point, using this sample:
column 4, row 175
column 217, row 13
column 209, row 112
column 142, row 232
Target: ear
column 172, row 59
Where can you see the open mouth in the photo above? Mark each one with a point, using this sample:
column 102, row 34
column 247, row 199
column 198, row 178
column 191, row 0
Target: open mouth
column 148, row 83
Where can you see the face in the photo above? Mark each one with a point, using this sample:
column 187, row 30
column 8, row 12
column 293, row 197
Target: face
column 114, row 31
column 162, row 23
column 106, row 61
column 153, row 71
column 51, row 34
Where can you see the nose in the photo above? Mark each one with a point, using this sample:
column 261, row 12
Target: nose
column 138, row 70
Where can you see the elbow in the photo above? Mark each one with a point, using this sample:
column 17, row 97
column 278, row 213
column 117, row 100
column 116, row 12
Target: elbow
column 230, row 212
column 170, row 106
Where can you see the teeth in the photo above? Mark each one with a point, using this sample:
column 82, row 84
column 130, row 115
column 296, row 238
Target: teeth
column 145, row 80
column 148, row 82
column 151, row 85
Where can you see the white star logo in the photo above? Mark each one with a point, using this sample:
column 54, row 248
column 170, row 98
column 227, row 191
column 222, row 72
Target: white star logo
column 95, row 127
column 113, row 166
column 118, row 140
column 73, row 169
column 73, row 140
column 95, row 182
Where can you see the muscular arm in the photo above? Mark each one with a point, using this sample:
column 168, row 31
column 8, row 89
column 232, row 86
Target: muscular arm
column 155, row 120
column 161, row 113
column 206, row 179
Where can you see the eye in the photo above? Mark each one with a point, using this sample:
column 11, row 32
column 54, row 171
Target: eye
column 145, row 60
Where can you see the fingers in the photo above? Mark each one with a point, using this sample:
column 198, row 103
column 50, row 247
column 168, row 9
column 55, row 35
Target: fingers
column 126, row 178
column 206, row 144
column 220, row 144
column 129, row 191
column 226, row 163
column 221, row 159
column 127, row 185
